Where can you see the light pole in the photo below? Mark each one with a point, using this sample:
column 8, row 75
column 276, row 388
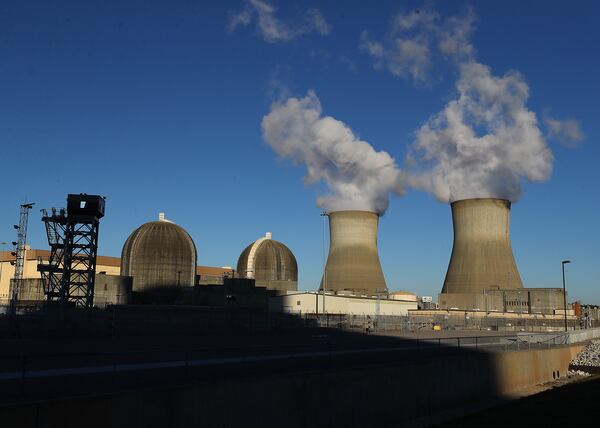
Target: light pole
column 564, row 262
column 324, row 214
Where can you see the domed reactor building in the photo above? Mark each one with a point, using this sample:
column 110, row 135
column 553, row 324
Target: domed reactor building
column 270, row 263
column 159, row 255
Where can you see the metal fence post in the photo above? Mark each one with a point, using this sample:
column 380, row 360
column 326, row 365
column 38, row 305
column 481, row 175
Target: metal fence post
column 23, row 371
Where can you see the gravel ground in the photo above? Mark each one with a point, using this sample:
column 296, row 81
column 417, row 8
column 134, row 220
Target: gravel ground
column 590, row 356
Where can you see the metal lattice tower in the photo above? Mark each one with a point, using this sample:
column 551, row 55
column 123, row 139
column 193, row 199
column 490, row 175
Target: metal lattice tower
column 19, row 255
column 52, row 271
column 70, row 273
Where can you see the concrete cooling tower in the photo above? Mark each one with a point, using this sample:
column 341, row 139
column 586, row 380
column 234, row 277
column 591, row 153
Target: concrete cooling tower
column 482, row 257
column 353, row 262
column 159, row 254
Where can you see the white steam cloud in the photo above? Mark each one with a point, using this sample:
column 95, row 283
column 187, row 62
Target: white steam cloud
column 567, row 132
column 271, row 27
column 358, row 177
column 485, row 142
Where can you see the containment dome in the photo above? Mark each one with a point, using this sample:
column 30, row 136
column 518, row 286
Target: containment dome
column 159, row 254
column 270, row 263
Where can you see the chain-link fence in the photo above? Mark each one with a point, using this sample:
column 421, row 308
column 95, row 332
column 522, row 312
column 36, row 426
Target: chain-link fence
column 416, row 322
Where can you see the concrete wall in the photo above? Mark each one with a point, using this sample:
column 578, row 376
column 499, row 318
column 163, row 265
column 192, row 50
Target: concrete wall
column 310, row 303
column 112, row 290
column 415, row 393
column 583, row 335
column 471, row 301
column 108, row 290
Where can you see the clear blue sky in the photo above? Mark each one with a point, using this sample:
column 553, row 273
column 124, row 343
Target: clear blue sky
column 157, row 105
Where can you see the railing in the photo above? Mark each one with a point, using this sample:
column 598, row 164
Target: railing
column 48, row 365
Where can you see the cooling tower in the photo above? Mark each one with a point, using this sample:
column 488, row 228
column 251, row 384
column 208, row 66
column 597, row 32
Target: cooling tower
column 353, row 261
column 482, row 257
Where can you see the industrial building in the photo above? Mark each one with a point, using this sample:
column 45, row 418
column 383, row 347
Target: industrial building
column 315, row 303
column 353, row 262
column 159, row 254
column 110, row 285
column 525, row 300
column 270, row 263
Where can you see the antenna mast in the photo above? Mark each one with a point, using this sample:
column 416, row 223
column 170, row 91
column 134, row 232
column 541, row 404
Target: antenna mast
column 19, row 256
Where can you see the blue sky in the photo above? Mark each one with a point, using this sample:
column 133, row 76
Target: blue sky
column 158, row 106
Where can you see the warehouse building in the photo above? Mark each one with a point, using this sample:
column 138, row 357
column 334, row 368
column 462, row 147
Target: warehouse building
column 317, row 303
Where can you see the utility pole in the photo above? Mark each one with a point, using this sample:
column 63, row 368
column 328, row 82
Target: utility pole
column 19, row 256
column 564, row 262
column 324, row 214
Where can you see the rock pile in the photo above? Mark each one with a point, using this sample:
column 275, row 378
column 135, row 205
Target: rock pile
column 572, row 373
column 590, row 356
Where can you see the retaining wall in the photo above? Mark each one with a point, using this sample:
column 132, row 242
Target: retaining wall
column 578, row 336
column 415, row 393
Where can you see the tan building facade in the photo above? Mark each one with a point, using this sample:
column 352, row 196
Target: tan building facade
column 311, row 303
column 104, row 265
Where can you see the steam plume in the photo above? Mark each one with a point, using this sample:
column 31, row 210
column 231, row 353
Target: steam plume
column 485, row 142
column 482, row 143
column 358, row 177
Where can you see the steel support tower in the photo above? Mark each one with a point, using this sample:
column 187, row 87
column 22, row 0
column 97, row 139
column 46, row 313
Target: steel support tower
column 55, row 222
column 19, row 256
column 70, row 273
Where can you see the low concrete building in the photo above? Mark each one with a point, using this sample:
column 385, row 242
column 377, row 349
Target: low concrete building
column 521, row 300
column 108, row 290
column 208, row 275
column 312, row 303
column 403, row 295
column 112, row 290
column 236, row 293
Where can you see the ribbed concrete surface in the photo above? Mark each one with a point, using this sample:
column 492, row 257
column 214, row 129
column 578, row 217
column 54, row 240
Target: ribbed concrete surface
column 159, row 254
column 482, row 257
column 270, row 263
column 353, row 261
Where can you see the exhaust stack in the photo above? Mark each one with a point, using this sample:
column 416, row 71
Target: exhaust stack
column 353, row 261
column 482, row 257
